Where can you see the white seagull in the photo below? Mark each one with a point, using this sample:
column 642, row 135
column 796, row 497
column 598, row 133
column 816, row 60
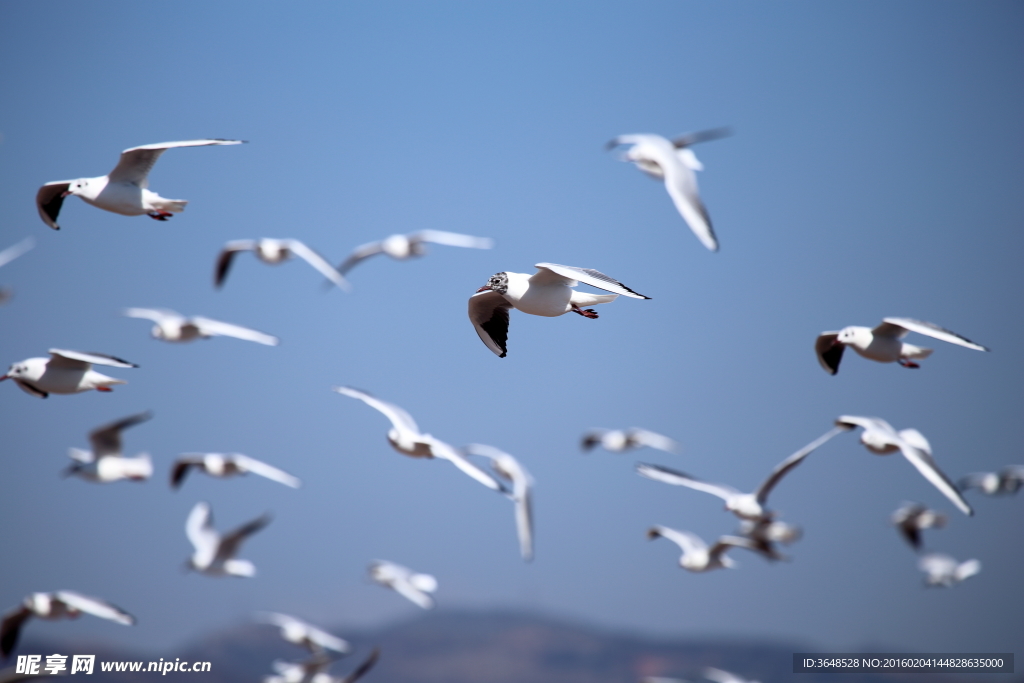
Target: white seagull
column 881, row 439
column 1008, row 480
column 274, row 251
column 8, row 255
column 64, row 372
column 402, row 247
column 314, row 670
column 227, row 465
column 913, row 518
column 406, row 438
column 621, row 440
column 56, row 605
column 884, row 343
column 697, row 556
column 105, row 462
column 943, row 570
column 174, row 327
column 675, row 163
column 548, row 292
column 123, row 190
column 305, row 635
column 521, row 495
column 767, row 532
column 404, row 581
column 744, row 505
column 215, row 554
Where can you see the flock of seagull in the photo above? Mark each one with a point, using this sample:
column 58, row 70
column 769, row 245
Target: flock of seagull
column 549, row 292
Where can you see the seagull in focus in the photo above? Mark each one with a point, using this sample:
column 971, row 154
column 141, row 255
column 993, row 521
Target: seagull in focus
column 697, row 556
column 748, row 506
column 404, row 581
column 621, row 440
column 766, row 532
column 675, row 163
column 56, row 605
column 402, row 247
column 881, row 439
column 884, row 343
column 8, row 255
column 314, row 670
column 508, row 468
column 943, row 570
column 174, row 327
column 1008, row 480
column 227, row 465
column 913, row 518
column 548, row 292
column 105, row 462
column 124, row 190
column 406, row 438
column 273, row 251
column 64, row 372
column 722, row 676
column 305, row 635
column 215, row 554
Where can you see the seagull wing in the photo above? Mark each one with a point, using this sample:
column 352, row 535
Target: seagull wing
column 924, row 464
column 264, row 470
column 937, row 564
column 180, row 469
column 157, row 315
column 361, row 670
column 643, row 437
column 404, row 587
column 930, row 330
column 136, row 162
column 701, row 136
column 13, row 252
column 319, row 262
column 587, row 276
column 669, row 476
column 446, row 452
column 783, row 468
column 208, row 327
column 488, row 311
column 49, row 199
column 522, row 484
column 592, row 439
column 95, row 607
column 399, row 418
column 966, row 569
column 361, row 252
column 452, row 239
column 230, row 543
column 868, row 424
column 64, row 358
column 227, row 255
column 689, row 542
column 681, row 184
column 106, row 440
column 10, row 628
column 201, row 534
column 725, row 542
column 829, row 353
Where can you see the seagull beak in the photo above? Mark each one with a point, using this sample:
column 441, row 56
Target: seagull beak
column 65, row 193
column 4, row 377
column 485, row 288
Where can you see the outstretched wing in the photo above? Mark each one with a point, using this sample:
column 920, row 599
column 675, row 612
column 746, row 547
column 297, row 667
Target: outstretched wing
column 399, row 418
column 452, row 239
column 13, row 252
column 136, row 162
column 227, row 256
column 924, row 464
column 319, row 262
column 49, row 199
column 360, row 253
column 201, row 534
column 440, row 449
column 218, row 327
column 701, row 136
column 80, row 359
column 95, row 607
column 930, row 330
column 689, row 542
column 643, row 437
column 157, row 315
column 231, row 542
column 106, row 440
column 488, row 311
column 361, row 670
column 264, row 470
column 669, row 476
column 783, row 468
column 829, row 352
column 587, row 276
column 10, row 628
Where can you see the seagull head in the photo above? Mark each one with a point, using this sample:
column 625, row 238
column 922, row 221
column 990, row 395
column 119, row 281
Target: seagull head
column 497, row 283
column 853, row 335
column 18, row 370
column 83, row 187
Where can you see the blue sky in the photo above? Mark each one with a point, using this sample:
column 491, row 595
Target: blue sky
column 874, row 172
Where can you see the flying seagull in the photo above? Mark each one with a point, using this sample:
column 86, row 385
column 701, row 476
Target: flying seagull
column 174, row 327
column 697, row 556
column 766, row 532
column 1008, row 480
column 621, row 440
column 215, row 554
column 314, row 670
column 675, row 163
column 548, row 292
column 274, row 251
column 402, row 247
column 124, row 190
column 56, row 605
column 305, row 635
column 105, row 462
column 509, row 469
column 884, row 343
column 64, row 372
column 405, row 582
column 943, row 570
column 227, row 465
column 913, row 518
column 8, row 255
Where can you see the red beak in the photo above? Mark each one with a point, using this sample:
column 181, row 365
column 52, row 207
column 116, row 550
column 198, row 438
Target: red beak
column 65, row 193
column 485, row 288
column 4, row 377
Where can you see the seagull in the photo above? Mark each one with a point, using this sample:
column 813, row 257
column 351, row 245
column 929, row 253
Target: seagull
column 1008, row 480
column 8, row 255
column 884, row 343
column 227, row 465
column 748, row 506
column 514, row 473
column 721, row 676
column 215, row 554
column 548, row 292
column 620, row 440
column 124, row 190
column 408, row 584
column 174, row 327
column 913, row 518
column 943, row 570
column 402, row 247
column 674, row 162
column 767, row 532
column 275, row 251
column 106, row 463
column 64, row 372
column 406, row 438
column 881, row 439
column 305, row 635
column 56, row 605
column 697, row 557
column 314, row 670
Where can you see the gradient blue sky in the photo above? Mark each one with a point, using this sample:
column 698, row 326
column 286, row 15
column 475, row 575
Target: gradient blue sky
column 875, row 171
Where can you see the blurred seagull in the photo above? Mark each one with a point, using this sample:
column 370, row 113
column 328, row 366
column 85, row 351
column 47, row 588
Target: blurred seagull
column 402, row 247
column 913, row 518
column 406, row 438
column 304, row 634
column 408, row 584
column 315, row 669
column 881, row 439
column 215, row 554
column 743, row 505
column 548, row 292
column 515, row 474
column 721, row 676
column 621, row 440
column 273, row 251
column 697, row 557
column 124, row 190
column 766, row 532
column 57, row 605
column 106, row 463
column 674, row 162
column 8, row 255
column 884, row 343
column 174, row 327
column 64, row 372
column 943, row 570
column 227, row 465
column 1008, row 480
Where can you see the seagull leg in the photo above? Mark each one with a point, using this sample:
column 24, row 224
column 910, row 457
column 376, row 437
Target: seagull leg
column 159, row 215
column 586, row 313
column 108, row 389
column 907, row 363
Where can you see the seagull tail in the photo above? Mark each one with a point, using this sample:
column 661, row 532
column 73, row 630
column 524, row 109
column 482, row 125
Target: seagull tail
column 582, row 299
